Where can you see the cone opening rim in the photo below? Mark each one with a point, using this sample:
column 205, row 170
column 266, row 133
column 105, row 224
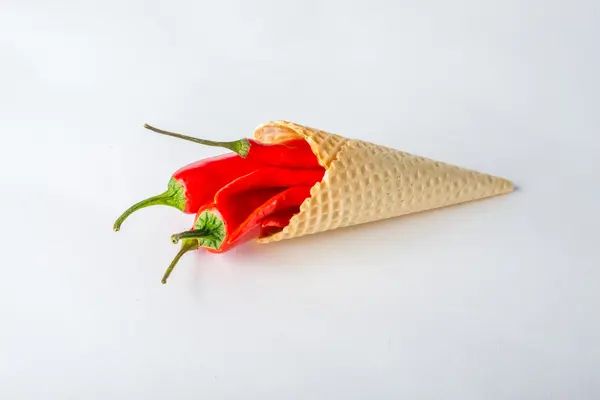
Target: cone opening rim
column 286, row 133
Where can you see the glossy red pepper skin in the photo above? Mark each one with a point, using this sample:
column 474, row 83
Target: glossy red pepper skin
column 290, row 154
column 247, row 203
column 251, row 227
column 280, row 219
column 229, row 233
column 230, row 199
column 232, row 194
column 235, row 230
column 238, row 209
column 275, row 223
column 202, row 179
column 268, row 177
column 195, row 184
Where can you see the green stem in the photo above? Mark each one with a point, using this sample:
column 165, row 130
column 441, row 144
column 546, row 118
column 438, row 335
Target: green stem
column 161, row 199
column 209, row 231
column 193, row 234
column 240, row 147
column 173, row 197
column 186, row 246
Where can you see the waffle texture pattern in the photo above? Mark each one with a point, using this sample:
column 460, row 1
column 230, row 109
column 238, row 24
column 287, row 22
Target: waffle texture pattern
column 365, row 182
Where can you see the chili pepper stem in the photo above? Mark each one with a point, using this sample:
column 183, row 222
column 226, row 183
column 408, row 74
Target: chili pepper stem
column 240, row 147
column 174, row 196
column 186, row 246
column 156, row 200
column 193, row 234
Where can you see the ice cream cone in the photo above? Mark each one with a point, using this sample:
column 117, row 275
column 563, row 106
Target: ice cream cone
column 366, row 182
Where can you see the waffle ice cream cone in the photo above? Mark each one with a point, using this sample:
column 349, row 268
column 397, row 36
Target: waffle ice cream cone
column 365, row 182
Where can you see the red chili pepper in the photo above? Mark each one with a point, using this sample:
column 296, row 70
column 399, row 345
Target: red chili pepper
column 219, row 233
column 233, row 194
column 285, row 200
column 196, row 184
column 237, row 200
column 275, row 223
column 292, row 153
column 268, row 177
column 209, row 220
column 281, row 219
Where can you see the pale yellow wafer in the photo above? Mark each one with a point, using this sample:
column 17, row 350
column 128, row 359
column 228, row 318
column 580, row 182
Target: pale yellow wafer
column 366, row 182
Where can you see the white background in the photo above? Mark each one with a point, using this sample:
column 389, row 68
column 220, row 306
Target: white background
column 491, row 300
